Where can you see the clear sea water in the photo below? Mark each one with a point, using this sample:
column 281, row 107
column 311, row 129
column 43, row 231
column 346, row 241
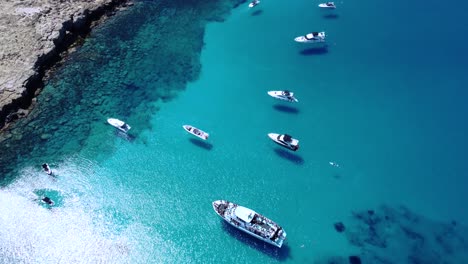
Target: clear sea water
column 385, row 98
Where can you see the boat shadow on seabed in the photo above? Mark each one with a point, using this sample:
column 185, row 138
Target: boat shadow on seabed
column 280, row 254
column 126, row 136
column 287, row 109
column 257, row 12
column 201, row 144
column 286, row 154
column 314, row 51
column 331, row 16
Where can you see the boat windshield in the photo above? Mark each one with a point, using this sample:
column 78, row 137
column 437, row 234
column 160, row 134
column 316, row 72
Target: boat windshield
column 309, row 36
column 287, row 138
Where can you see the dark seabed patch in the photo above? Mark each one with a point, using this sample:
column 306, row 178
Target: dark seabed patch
column 416, row 238
column 123, row 70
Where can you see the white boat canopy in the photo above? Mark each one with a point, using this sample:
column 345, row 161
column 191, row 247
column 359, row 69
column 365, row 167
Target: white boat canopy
column 245, row 214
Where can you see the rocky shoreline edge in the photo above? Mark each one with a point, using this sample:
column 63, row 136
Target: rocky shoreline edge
column 25, row 63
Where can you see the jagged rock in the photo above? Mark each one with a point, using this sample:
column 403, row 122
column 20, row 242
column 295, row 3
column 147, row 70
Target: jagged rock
column 23, row 112
column 32, row 34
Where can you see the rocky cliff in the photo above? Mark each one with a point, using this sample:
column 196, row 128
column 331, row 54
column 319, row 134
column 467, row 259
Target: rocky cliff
column 33, row 33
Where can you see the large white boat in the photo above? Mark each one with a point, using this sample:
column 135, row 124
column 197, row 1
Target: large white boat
column 329, row 5
column 250, row 222
column 283, row 95
column 285, row 140
column 196, row 132
column 120, row 125
column 313, row 37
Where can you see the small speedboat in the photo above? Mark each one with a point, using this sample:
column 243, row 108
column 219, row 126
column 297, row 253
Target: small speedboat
column 330, row 5
column 196, row 132
column 120, row 125
column 254, row 3
column 47, row 169
column 313, row 37
column 334, row 164
column 47, row 201
column 285, row 140
column 283, row 95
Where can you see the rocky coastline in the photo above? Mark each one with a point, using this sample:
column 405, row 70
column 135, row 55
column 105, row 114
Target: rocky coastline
column 34, row 37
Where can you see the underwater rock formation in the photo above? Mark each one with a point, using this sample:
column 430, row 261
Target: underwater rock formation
column 354, row 260
column 339, row 227
column 391, row 235
column 124, row 69
column 398, row 235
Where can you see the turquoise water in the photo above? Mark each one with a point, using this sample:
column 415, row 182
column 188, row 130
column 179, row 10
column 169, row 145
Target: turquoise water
column 380, row 99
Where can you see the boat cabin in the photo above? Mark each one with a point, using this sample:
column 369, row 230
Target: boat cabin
column 244, row 214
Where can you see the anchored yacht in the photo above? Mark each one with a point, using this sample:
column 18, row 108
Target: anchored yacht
column 283, row 95
column 329, row 5
column 313, row 37
column 254, row 3
column 120, row 125
column 285, row 140
column 250, row 222
column 196, row 132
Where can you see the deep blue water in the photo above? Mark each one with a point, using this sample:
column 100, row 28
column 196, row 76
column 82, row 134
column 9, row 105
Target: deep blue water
column 385, row 98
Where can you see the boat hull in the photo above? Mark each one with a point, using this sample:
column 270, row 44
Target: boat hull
column 314, row 37
column 326, row 6
column 253, row 234
column 302, row 39
column 279, row 244
column 118, row 124
column 274, row 137
column 277, row 95
column 253, row 4
column 196, row 132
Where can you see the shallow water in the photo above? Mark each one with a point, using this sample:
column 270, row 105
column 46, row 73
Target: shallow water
column 382, row 107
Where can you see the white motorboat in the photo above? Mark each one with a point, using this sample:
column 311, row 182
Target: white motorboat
column 250, row 222
column 121, row 125
column 283, row 95
column 196, row 132
column 47, row 169
column 329, row 5
column 254, row 3
column 334, row 164
column 313, row 37
column 285, row 140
